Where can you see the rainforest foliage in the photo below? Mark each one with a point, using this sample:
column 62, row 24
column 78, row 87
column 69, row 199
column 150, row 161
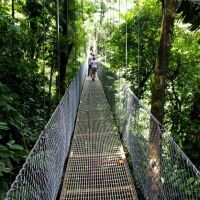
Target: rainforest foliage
column 40, row 53
column 140, row 26
column 31, row 54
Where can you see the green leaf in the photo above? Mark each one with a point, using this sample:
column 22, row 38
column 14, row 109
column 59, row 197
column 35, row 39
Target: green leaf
column 3, row 148
column 17, row 147
column 4, row 126
column 11, row 142
column 5, row 152
column 8, row 163
column 6, row 170
column 12, row 145
column 1, row 173
column 15, row 124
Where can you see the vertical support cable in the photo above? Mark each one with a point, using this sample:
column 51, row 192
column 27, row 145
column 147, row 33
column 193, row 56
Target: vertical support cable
column 126, row 51
column 138, row 46
column 106, row 33
column 110, row 29
column 43, row 62
column 164, row 69
column 164, row 37
column 113, row 10
column 119, row 18
column 80, row 15
column 119, row 10
column 58, row 46
column 67, row 22
column 44, row 99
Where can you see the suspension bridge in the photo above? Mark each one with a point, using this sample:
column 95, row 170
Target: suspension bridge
column 102, row 143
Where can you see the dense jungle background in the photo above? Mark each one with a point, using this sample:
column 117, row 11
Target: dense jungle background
column 38, row 62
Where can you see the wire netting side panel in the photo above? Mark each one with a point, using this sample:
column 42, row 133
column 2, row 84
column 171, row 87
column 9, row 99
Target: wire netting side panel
column 160, row 168
column 41, row 174
column 180, row 178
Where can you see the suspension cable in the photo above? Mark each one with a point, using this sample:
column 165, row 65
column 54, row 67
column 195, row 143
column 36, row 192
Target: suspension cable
column 119, row 11
column 164, row 37
column 113, row 13
column 43, row 62
column 138, row 48
column 58, row 46
column 106, row 33
column 126, row 48
column 82, row 17
column 109, row 29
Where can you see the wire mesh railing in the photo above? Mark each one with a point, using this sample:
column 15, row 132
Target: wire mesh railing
column 161, row 169
column 41, row 174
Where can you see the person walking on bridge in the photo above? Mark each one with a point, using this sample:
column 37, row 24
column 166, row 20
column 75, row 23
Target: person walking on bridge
column 94, row 66
column 89, row 63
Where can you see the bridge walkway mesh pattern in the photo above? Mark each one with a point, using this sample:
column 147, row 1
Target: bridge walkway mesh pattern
column 97, row 167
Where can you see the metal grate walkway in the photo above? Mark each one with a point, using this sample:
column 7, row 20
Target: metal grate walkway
column 97, row 168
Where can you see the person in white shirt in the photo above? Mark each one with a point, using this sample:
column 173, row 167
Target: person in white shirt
column 89, row 63
column 94, row 67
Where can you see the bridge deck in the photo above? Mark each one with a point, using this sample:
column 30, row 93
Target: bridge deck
column 97, row 168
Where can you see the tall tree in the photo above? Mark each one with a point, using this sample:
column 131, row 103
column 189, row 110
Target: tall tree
column 158, row 87
column 158, row 95
column 65, row 46
column 162, row 59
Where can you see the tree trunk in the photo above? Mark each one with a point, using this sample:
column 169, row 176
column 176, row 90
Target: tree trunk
column 65, row 14
column 64, row 57
column 157, row 102
column 162, row 60
column 13, row 9
column 65, row 50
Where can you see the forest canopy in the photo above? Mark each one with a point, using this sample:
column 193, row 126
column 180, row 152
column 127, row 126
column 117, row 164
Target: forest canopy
column 40, row 54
